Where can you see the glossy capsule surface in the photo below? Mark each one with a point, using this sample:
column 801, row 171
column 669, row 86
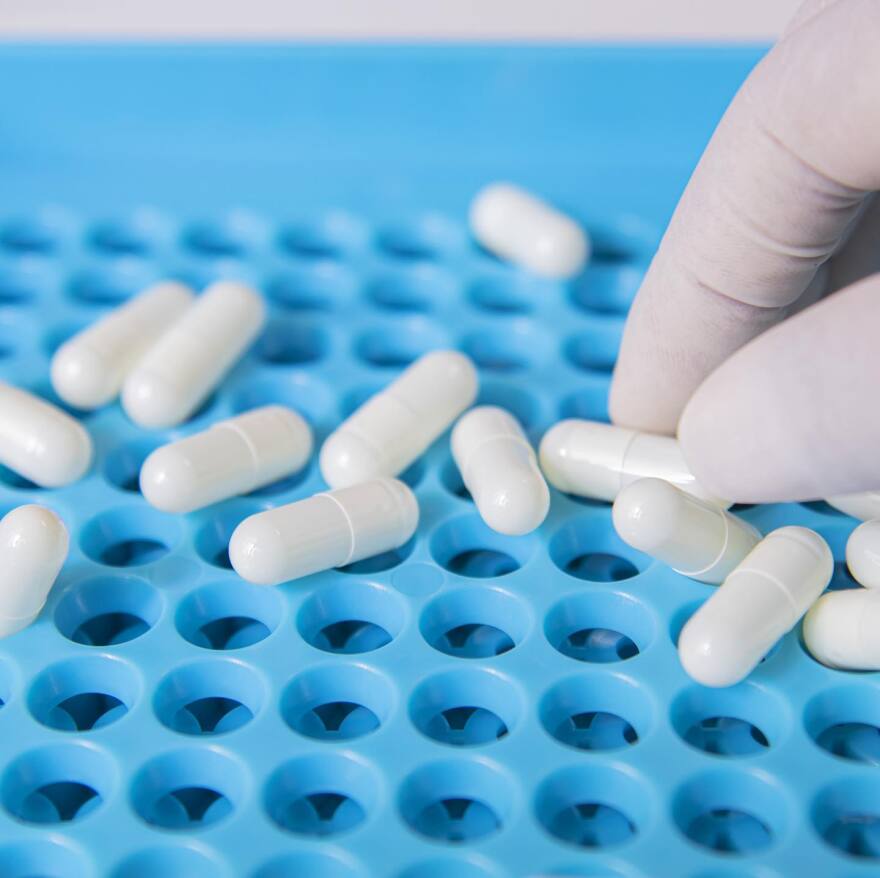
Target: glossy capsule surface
column 842, row 629
column 863, row 554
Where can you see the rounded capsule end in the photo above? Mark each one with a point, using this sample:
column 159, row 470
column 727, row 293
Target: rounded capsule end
column 516, row 507
column 167, row 480
column 257, row 551
column 711, row 658
column 152, row 402
column 81, row 378
column 554, row 454
column 346, row 459
column 646, row 513
column 863, row 554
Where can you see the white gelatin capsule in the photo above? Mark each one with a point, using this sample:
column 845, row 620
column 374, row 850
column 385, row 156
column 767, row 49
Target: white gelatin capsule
column 327, row 530
column 391, row 429
column 40, row 441
column 841, row 629
column 189, row 360
column 695, row 538
column 762, row 599
column 229, row 458
column 597, row 460
column 515, row 225
column 33, row 547
column 89, row 369
column 499, row 468
column 863, row 554
column 865, row 506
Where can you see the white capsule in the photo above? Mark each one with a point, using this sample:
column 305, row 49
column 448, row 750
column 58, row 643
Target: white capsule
column 695, row 538
column 499, row 468
column 40, row 441
column 327, row 530
column 863, row 554
column 189, row 360
column 229, row 458
column 88, row 370
column 864, row 506
column 515, row 225
column 841, row 629
column 33, row 547
column 394, row 427
column 592, row 459
column 762, row 599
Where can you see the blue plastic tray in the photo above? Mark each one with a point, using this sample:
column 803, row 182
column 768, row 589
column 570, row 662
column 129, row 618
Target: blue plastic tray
column 471, row 705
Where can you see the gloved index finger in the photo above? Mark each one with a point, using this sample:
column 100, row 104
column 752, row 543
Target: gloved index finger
column 781, row 181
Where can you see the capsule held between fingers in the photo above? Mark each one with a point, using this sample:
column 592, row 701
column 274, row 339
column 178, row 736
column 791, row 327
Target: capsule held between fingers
column 329, row 529
column 499, row 468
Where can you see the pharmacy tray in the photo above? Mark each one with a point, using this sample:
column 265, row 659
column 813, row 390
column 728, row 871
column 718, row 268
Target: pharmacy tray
column 470, row 706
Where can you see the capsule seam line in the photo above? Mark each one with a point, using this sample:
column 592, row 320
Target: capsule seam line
column 775, row 580
column 718, row 557
column 348, row 521
column 247, row 441
column 622, row 461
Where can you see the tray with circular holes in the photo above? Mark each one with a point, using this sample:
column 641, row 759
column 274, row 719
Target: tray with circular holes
column 469, row 705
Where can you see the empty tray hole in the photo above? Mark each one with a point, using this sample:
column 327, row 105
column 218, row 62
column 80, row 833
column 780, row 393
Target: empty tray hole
column 307, row 864
column 422, row 238
column 509, row 349
column 136, row 235
column 229, row 615
column 330, row 236
column 122, row 467
column 396, row 345
column 606, row 288
column 319, row 287
column 456, row 802
column 466, row 546
column 847, row 816
column 589, row 403
column 589, row 549
column 599, row 627
column 592, row 807
column 320, row 795
column 113, row 284
column 740, row 721
column 231, row 237
column 391, row 558
column 419, row 288
column 31, row 236
column 596, row 350
column 12, row 479
column 596, row 713
column 351, row 618
column 129, row 537
column 212, row 537
column 188, row 790
column 287, row 342
column 524, row 406
column 337, row 703
column 42, row 859
column 729, row 812
column 297, row 390
column 59, row 783
column 84, row 694
column 450, row 477
column 474, row 623
column 209, row 697
column 845, row 721
column 108, row 611
column 17, row 287
column 508, row 292
column 465, row 707
column 169, row 862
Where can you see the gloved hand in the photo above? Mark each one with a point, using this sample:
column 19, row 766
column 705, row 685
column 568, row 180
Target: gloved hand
column 775, row 394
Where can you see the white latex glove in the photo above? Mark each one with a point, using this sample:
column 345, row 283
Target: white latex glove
column 778, row 396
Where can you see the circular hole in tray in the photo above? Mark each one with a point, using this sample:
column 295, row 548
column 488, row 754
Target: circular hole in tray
column 135, row 235
column 308, row 864
column 396, row 345
column 84, row 694
column 450, row 868
column 742, row 720
column 593, row 806
column 596, row 712
column 129, row 537
column 321, row 796
column 510, row 348
column 320, row 287
column 588, row 548
column 170, row 862
column 288, row 341
column 466, row 707
column 303, row 393
column 600, row 627
column 42, row 859
column 457, row 801
column 188, row 790
column 382, row 561
column 59, row 333
column 475, row 622
column 329, row 236
column 842, row 579
column 450, row 478
column 418, row 288
column 57, row 783
column 32, row 236
column 508, row 291
column 847, row 815
column 19, row 286
column 424, row 237
column 122, row 466
column 114, row 283
column 337, row 703
column 607, row 288
column 596, row 350
column 228, row 615
column 845, row 721
column 108, row 611
column 209, row 697
column 212, row 537
column 734, row 813
column 350, row 618
column 589, row 403
column 231, row 237
column 525, row 407
column 12, row 479
column 466, row 546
